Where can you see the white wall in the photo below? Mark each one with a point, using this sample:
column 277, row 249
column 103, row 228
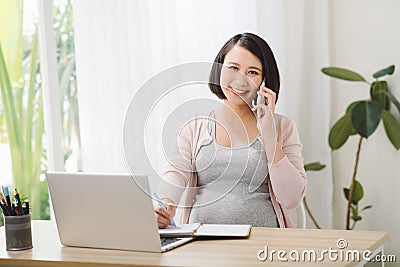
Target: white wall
column 364, row 37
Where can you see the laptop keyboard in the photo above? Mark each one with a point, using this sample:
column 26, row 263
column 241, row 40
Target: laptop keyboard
column 168, row 240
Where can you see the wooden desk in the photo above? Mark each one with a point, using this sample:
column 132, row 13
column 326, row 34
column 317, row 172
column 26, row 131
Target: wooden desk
column 47, row 250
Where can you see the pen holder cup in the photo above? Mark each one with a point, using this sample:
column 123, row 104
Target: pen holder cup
column 18, row 232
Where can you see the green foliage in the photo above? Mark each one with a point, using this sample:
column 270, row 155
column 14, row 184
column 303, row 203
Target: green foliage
column 21, row 99
column 354, row 214
column 44, row 201
column 343, row 74
column 340, row 132
column 378, row 92
column 21, row 108
column 386, row 71
column 358, row 193
column 314, row 166
column 362, row 117
column 393, row 100
column 365, row 115
column 351, row 106
column 392, row 128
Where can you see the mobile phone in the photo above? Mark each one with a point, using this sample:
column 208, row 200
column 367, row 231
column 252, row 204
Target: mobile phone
column 260, row 99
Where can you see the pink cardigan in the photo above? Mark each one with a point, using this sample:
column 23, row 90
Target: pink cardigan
column 288, row 178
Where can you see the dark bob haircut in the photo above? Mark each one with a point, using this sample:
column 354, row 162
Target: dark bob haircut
column 258, row 47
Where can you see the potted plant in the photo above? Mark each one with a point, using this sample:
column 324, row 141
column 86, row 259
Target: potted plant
column 362, row 118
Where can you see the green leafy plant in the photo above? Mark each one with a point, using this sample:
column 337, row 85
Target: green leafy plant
column 23, row 112
column 362, row 118
column 25, row 95
column 22, row 108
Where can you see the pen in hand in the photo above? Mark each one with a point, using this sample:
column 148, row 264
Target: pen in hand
column 164, row 207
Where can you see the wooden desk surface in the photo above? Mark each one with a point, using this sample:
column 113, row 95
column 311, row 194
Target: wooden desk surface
column 47, row 250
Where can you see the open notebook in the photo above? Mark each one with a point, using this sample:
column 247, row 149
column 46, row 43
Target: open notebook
column 200, row 229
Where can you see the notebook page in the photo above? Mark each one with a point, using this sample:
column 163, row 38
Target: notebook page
column 180, row 229
column 223, row 230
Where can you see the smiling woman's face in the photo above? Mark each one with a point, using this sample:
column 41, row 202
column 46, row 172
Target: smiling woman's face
column 241, row 76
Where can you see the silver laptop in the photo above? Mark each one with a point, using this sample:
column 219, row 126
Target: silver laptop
column 112, row 211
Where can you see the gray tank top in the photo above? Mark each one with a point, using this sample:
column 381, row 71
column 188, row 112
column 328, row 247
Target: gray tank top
column 232, row 185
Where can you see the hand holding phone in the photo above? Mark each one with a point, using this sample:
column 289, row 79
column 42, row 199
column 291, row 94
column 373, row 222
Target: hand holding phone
column 260, row 99
column 266, row 97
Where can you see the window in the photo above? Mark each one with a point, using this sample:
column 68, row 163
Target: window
column 22, row 136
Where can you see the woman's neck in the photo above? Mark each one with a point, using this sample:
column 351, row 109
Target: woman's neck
column 230, row 112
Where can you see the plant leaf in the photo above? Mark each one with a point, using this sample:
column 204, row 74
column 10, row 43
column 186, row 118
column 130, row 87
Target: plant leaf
column 348, row 110
column 352, row 105
column 13, row 122
column 343, row 74
column 29, row 115
column 394, row 100
column 386, row 71
column 366, row 207
column 354, row 210
column 392, row 128
column 358, row 193
column 340, row 132
column 314, row 166
column 365, row 117
column 378, row 92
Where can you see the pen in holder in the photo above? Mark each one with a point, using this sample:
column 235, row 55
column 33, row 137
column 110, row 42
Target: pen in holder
column 17, row 221
column 18, row 232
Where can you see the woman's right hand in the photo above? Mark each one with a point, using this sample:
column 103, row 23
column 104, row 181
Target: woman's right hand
column 164, row 216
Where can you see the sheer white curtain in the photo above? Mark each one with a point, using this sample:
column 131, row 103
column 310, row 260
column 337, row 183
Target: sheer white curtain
column 121, row 44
